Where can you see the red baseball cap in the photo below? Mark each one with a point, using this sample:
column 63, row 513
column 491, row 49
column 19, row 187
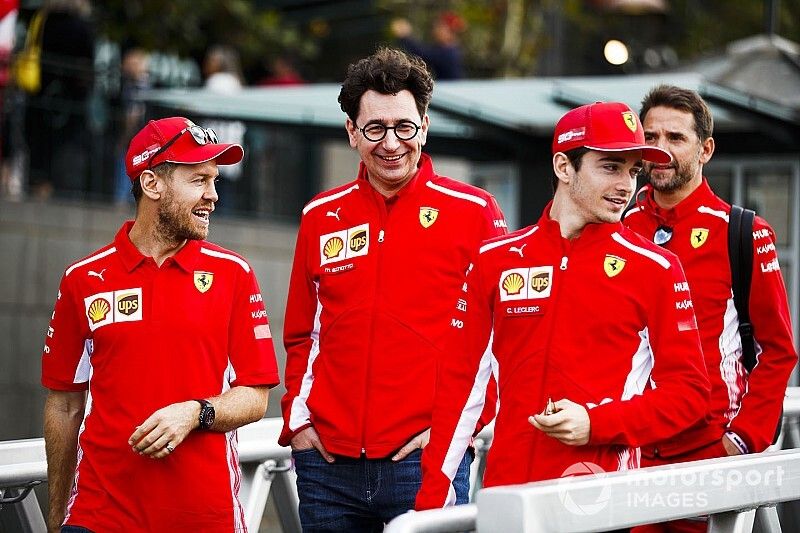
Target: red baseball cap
column 607, row 127
column 176, row 140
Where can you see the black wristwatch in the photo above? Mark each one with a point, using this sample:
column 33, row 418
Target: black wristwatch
column 207, row 414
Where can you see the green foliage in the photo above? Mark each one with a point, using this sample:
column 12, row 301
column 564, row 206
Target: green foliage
column 189, row 27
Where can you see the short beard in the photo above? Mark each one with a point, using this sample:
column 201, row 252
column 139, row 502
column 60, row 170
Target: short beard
column 174, row 226
column 683, row 175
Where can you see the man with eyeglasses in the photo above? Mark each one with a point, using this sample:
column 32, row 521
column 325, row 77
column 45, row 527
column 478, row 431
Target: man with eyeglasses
column 378, row 264
column 168, row 334
column 678, row 210
column 581, row 315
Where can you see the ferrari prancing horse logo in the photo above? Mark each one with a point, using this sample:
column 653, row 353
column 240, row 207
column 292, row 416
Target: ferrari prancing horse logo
column 203, row 280
column 699, row 236
column 427, row 216
column 613, row 265
column 630, row 120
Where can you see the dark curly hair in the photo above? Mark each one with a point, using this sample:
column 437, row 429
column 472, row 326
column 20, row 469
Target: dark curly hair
column 387, row 71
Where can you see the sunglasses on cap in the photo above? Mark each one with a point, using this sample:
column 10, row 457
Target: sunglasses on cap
column 662, row 235
column 201, row 136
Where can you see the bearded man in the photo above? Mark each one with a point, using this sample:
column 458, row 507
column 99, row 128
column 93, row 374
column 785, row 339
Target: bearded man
column 158, row 349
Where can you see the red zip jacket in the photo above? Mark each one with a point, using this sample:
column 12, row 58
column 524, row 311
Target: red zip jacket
column 369, row 300
column 604, row 320
column 746, row 406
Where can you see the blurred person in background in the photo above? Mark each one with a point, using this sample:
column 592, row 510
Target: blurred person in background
column 444, row 55
column 282, row 72
column 56, row 121
column 158, row 349
column 378, row 263
column 135, row 80
column 679, row 211
column 8, row 20
column 222, row 69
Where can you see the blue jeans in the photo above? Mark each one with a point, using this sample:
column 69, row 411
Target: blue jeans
column 75, row 529
column 356, row 495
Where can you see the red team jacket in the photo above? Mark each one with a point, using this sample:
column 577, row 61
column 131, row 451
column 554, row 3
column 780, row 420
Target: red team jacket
column 748, row 406
column 371, row 287
column 140, row 337
column 597, row 320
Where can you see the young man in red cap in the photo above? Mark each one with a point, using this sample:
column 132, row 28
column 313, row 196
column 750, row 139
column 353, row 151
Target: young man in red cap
column 679, row 211
column 578, row 309
column 169, row 336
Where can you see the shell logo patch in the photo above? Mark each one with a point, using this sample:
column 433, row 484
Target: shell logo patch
column 344, row 244
column 513, row 283
column 699, row 237
column 527, row 283
column 427, row 216
column 98, row 310
column 613, row 265
column 333, row 247
column 203, row 280
column 630, row 120
column 107, row 308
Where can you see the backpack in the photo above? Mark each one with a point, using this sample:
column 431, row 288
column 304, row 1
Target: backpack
column 740, row 256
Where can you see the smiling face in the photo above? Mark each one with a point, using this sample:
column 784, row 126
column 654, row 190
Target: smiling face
column 390, row 162
column 187, row 201
column 674, row 131
column 600, row 190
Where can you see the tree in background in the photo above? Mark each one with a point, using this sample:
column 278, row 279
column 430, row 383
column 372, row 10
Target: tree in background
column 189, row 27
column 508, row 38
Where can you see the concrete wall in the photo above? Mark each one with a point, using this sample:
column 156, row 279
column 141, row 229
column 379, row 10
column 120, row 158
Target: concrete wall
column 38, row 241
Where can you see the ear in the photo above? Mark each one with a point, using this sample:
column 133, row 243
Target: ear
column 562, row 168
column 152, row 185
column 706, row 150
column 352, row 133
column 423, row 132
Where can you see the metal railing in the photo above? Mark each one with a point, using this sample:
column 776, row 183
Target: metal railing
column 266, row 470
column 623, row 499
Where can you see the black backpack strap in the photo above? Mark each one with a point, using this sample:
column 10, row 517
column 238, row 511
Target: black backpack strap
column 740, row 255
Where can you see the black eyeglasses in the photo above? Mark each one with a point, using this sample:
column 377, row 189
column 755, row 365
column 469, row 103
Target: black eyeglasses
column 201, row 136
column 663, row 235
column 405, row 130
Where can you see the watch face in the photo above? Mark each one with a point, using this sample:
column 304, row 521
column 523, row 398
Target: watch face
column 207, row 417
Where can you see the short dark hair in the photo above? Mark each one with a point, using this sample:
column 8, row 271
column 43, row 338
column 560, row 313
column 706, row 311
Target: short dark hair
column 575, row 157
column 387, row 71
column 684, row 100
column 164, row 169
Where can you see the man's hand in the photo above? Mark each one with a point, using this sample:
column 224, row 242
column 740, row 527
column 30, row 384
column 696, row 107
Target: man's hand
column 569, row 424
column 164, row 430
column 307, row 439
column 420, row 441
column 730, row 447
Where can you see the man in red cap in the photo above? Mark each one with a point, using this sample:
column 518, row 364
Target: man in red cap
column 169, row 336
column 577, row 309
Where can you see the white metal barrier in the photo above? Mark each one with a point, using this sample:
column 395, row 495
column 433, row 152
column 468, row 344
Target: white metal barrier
column 601, row 503
column 266, row 469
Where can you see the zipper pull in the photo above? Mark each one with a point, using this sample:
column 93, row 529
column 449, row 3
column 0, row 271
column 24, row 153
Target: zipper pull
column 563, row 263
column 380, row 236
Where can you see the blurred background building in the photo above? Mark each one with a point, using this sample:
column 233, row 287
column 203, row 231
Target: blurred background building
column 63, row 191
